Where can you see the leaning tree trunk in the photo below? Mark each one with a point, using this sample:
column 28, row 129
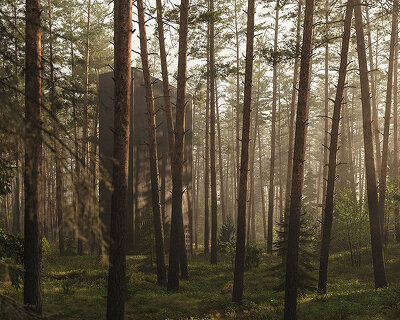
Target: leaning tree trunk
column 116, row 291
column 153, row 152
column 298, row 167
column 273, row 135
column 238, row 279
column 177, row 236
column 333, row 148
column 388, row 105
column 376, row 236
column 33, row 158
column 214, row 208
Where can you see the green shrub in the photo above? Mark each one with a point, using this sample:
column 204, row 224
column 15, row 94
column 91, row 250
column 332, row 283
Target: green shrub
column 12, row 257
column 253, row 256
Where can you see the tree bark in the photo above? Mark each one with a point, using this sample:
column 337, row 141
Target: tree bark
column 333, row 148
column 298, row 166
column 262, row 187
column 273, row 134
column 33, row 158
column 395, row 139
column 177, row 236
column 220, row 162
column 242, row 195
column 326, row 105
column 56, row 145
column 116, row 290
column 153, row 152
column 388, row 105
column 207, row 156
column 293, row 110
column 214, row 208
column 374, row 93
column 376, row 236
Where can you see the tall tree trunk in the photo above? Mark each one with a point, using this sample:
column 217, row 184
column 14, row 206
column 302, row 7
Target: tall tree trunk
column 395, row 139
column 153, row 152
column 238, row 109
column 33, row 157
column 333, row 147
column 242, row 195
column 293, row 111
column 326, row 105
column 374, row 93
column 214, row 208
column 388, row 105
column 116, row 290
column 273, row 134
column 56, row 145
column 262, row 187
column 84, row 134
column 16, row 228
column 376, row 236
column 177, row 249
column 207, row 156
column 298, row 166
column 221, row 164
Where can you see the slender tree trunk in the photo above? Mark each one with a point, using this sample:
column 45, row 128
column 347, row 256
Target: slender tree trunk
column 273, row 134
column 326, row 104
column 238, row 109
column 376, row 236
column 207, row 156
column 242, row 195
column 177, row 251
column 385, row 146
column 333, row 147
column 57, row 147
column 221, row 164
column 116, row 290
column 374, row 93
column 298, row 166
column 395, row 139
column 84, row 135
column 262, row 187
column 196, row 211
column 293, row 111
column 33, row 158
column 16, row 228
column 153, row 152
column 214, row 208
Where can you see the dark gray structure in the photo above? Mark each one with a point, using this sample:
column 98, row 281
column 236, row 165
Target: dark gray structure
column 140, row 212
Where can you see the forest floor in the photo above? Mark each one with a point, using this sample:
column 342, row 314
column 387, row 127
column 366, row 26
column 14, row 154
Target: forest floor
column 75, row 288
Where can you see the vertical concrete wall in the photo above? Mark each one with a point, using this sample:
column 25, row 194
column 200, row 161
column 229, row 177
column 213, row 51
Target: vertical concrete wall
column 140, row 214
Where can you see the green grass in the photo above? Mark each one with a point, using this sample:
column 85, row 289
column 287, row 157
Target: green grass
column 75, row 288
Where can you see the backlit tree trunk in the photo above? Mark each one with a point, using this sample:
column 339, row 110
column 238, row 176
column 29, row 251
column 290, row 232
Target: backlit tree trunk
column 177, row 251
column 214, row 208
column 273, row 134
column 333, row 147
column 116, row 290
column 238, row 280
column 153, row 152
column 298, row 167
column 376, row 236
column 33, row 158
column 388, row 105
